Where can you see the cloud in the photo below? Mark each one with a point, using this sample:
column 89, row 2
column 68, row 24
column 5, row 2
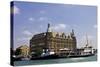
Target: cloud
column 85, row 38
column 24, row 39
column 41, row 26
column 15, row 10
column 42, row 12
column 26, row 32
column 36, row 32
column 82, row 40
column 43, row 18
column 31, row 19
column 26, row 35
column 89, row 37
column 95, row 26
column 59, row 27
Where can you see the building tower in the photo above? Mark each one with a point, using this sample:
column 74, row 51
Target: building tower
column 74, row 39
column 46, row 39
column 48, row 29
column 72, row 33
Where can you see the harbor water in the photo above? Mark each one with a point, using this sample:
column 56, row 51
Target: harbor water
column 56, row 61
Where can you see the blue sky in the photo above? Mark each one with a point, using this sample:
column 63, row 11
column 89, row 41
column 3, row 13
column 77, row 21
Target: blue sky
column 31, row 18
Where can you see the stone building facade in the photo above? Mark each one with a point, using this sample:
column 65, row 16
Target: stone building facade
column 53, row 43
column 22, row 51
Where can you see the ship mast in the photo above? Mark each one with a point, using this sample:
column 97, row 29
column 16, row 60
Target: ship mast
column 87, row 43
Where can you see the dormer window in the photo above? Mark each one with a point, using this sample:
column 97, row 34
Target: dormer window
column 57, row 35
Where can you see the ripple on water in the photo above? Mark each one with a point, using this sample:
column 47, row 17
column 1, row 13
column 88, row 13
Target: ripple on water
column 54, row 61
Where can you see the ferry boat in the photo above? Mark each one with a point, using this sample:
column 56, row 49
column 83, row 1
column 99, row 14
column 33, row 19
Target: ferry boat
column 82, row 52
column 85, row 51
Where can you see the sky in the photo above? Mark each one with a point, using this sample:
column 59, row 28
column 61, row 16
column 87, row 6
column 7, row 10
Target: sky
column 31, row 18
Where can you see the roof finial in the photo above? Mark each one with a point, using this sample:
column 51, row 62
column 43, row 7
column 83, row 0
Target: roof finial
column 72, row 33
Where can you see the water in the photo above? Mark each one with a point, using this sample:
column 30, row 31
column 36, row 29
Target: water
column 55, row 61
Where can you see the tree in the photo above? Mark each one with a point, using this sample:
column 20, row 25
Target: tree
column 38, row 52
